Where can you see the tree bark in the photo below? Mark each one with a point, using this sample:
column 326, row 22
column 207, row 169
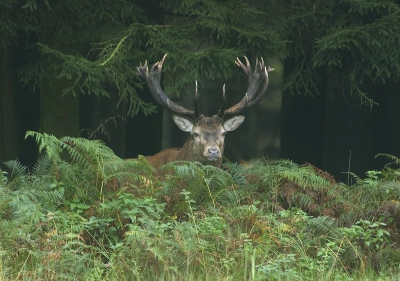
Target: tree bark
column 10, row 134
column 102, row 117
column 302, row 128
column 348, row 135
column 59, row 115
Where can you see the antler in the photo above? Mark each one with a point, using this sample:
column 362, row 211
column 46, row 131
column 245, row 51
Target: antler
column 257, row 79
column 153, row 82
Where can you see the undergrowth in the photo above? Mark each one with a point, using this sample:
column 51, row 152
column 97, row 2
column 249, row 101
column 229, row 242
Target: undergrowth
column 81, row 213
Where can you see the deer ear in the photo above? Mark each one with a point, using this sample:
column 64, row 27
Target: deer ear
column 233, row 123
column 183, row 123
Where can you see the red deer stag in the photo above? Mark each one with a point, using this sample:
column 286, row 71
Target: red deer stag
column 206, row 144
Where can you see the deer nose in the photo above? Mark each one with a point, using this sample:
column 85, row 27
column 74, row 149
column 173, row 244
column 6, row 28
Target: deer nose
column 213, row 152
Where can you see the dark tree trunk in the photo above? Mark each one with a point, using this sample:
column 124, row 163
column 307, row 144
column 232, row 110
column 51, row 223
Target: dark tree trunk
column 59, row 115
column 302, row 124
column 348, row 137
column 138, row 135
column 302, row 128
column 386, row 122
column 392, row 128
column 10, row 134
column 144, row 133
column 269, row 121
column 100, row 118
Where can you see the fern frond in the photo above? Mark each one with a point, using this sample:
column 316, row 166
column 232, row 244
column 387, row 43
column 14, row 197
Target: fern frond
column 229, row 197
column 122, row 177
column 284, row 164
column 304, row 177
column 17, row 169
column 50, row 143
column 237, row 173
column 3, row 178
column 324, row 226
column 42, row 166
column 393, row 158
column 217, row 178
column 184, row 168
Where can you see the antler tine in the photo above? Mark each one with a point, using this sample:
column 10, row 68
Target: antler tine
column 256, row 78
column 264, row 89
column 263, row 72
column 153, row 82
column 196, row 102
column 143, row 70
column 158, row 64
column 222, row 109
column 247, row 68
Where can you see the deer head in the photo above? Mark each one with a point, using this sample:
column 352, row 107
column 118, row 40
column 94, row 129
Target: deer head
column 206, row 144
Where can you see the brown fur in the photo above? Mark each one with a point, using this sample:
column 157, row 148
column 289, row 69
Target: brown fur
column 163, row 157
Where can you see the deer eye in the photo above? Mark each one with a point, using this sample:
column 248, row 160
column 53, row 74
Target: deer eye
column 223, row 134
column 195, row 134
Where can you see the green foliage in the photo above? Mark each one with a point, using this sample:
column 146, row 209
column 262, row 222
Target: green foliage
column 82, row 213
column 71, row 156
column 334, row 46
column 206, row 184
column 368, row 234
column 278, row 269
column 352, row 42
column 95, row 49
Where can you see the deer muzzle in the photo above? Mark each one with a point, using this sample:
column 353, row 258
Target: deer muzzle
column 213, row 154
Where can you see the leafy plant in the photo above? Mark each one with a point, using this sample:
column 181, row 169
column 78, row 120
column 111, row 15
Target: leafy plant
column 370, row 235
column 76, row 215
column 334, row 38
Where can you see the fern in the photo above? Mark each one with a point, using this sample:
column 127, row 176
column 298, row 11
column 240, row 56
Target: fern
column 323, row 226
column 35, row 186
column 237, row 173
column 3, row 178
column 42, row 166
column 388, row 172
column 188, row 215
column 80, row 161
column 217, row 178
column 209, row 186
column 304, row 177
column 376, row 196
column 17, row 170
column 304, row 186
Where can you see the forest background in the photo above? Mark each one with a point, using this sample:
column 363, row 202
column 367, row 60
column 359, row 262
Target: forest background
column 69, row 67
column 73, row 208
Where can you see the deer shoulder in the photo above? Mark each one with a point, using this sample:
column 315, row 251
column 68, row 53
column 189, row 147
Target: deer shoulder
column 163, row 157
